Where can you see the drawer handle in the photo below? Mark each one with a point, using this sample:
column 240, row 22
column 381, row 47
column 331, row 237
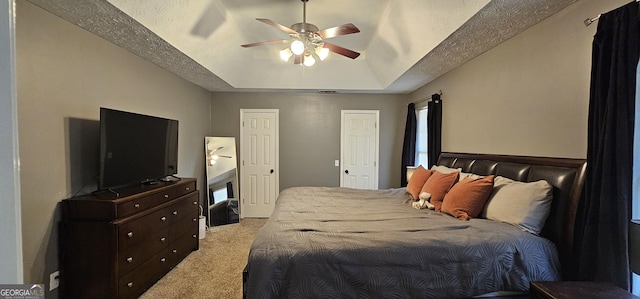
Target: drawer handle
column 163, row 239
column 195, row 219
column 130, row 284
column 163, row 260
column 130, row 234
column 175, row 251
column 136, row 205
column 163, row 218
column 188, row 188
column 195, row 202
column 129, row 259
column 166, row 196
column 194, row 236
column 175, row 212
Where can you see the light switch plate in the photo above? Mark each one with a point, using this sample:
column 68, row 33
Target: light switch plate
column 337, row 163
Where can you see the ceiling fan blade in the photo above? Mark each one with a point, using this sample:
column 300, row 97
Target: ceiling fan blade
column 338, row 31
column 209, row 22
column 297, row 59
column 274, row 24
column 342, row 51
column 271, row 42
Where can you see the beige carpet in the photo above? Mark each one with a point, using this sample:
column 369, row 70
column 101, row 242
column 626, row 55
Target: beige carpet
column 214, row 271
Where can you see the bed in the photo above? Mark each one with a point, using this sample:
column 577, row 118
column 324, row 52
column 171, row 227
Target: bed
column 335, row 242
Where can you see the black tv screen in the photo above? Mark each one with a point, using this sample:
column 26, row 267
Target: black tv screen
column 136, row 148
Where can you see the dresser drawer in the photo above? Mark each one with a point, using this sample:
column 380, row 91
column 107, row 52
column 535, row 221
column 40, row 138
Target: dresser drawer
column 134, row 283
column 153, row 199
column 184, row 208
column 186, row 189
column 181, row 248
column 134, row 206
column 132, row 257
column 136, row 231
column 173, row 193
column 186, row 225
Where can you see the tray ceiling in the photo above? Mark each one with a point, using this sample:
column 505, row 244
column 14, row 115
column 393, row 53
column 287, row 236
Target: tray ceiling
column 404, row 43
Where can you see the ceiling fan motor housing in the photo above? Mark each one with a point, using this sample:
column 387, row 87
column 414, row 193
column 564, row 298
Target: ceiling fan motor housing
column 304, row 27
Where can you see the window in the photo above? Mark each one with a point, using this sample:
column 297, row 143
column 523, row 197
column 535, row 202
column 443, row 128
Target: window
column 421, row 137
column 220, row 195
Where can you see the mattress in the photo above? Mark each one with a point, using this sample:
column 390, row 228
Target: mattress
column 333, row 242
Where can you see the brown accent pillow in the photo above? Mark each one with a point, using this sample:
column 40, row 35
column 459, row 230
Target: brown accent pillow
column 418, row 178
column 438, row 185
column 467, row 198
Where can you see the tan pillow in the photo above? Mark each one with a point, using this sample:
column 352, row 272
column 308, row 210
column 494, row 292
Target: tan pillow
column 445, row 169
column 466, row 199
column 438, row 185
column 417, row 180
column 526, row 205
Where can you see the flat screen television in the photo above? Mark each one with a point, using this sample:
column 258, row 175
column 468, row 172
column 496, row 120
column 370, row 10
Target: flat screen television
column 136, row 148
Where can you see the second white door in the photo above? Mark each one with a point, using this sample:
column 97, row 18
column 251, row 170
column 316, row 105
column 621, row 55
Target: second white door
column 359, row 149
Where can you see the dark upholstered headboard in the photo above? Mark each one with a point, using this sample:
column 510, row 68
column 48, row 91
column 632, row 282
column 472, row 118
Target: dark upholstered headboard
column 565, row 175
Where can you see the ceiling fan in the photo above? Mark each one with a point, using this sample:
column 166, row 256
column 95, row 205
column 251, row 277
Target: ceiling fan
column 212, row 157
column 307, row 42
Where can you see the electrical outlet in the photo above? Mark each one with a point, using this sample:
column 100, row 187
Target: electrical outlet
column 54, row 281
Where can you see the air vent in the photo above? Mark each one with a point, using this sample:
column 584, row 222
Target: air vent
column 327, row 91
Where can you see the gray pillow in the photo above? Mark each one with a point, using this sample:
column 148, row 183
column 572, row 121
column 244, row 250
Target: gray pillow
column 525, row 205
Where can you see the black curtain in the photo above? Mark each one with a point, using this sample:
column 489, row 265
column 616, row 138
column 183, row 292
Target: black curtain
column 602, row 223
column 230, row 190
column 409, row 144
column 434, row 129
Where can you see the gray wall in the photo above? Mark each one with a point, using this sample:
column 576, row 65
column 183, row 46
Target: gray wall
column 310, row 131
column 527, row 96
column 64, row 75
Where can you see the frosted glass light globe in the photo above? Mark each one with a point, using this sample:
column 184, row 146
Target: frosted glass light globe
column 309, row 60
column 285, row 54
column 297, row 47
column 322, row 53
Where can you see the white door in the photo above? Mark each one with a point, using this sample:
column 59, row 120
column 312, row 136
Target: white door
column 259, row 184
column 359, row 149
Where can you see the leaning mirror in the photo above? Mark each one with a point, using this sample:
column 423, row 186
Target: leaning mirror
column 222, row 180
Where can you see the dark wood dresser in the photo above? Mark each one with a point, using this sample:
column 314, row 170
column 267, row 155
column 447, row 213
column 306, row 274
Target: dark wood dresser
column 118, row 246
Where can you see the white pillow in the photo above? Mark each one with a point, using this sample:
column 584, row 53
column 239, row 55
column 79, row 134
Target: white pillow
column 472, row 176
column 461, row 176
column 526, row 205
column 445, row 169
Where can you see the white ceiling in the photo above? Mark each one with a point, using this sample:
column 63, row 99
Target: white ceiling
column 404, row 43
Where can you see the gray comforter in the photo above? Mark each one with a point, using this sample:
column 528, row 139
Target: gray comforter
column 326, row 242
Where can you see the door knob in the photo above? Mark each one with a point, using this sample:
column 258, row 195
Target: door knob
column 271, row 171
column 346, row 171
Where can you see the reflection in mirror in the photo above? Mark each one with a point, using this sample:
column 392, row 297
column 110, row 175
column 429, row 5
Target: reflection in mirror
column 222, row 180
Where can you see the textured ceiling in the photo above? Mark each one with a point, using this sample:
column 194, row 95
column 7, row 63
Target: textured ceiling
column 404, row 43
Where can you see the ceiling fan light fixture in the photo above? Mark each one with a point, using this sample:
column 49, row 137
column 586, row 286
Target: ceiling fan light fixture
column 322, row 52
column 297, row 47
column 286, row 54
column 307, row 43
column 309, row 60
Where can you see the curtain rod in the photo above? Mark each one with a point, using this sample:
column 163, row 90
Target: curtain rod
column 590, row 21
column 428, row 99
